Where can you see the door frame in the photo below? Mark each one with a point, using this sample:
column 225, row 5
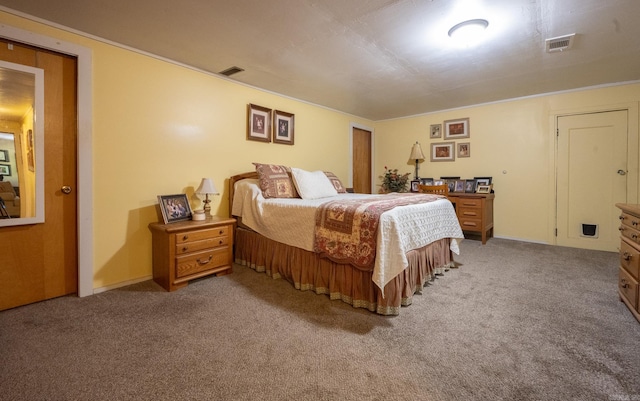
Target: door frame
column 373, row 162
column 633, row 151
column 85, row 144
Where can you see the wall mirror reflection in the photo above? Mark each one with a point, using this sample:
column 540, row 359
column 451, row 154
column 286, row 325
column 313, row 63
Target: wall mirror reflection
column 21, row 144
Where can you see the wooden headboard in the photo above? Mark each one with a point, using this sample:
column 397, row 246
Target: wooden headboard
column 232, row 182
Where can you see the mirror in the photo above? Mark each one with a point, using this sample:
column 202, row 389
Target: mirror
column 21, row 144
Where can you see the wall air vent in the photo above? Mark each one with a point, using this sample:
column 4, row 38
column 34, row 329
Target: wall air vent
column 231, row 70
column 560, row 43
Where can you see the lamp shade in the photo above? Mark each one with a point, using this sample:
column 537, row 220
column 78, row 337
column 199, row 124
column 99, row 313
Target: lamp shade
column 207, row 187
column 416, row 152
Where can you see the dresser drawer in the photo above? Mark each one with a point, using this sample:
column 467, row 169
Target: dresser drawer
column 630, row 233
column 193, row 246
column 630, row 259
column 202, row 234
column 469, row 224
column 628, row 287
column 201, row 261
column 465, row 213
column 469, row 203
column 630, row 220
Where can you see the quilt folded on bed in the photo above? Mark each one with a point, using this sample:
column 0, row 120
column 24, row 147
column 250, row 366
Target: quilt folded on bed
column 346, row 230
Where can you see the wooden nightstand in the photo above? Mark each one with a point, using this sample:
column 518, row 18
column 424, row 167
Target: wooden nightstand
column 187, row 250
column 629, row 271
column 475, row 213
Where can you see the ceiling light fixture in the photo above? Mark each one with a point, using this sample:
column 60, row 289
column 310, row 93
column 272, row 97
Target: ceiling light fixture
column 468, row 32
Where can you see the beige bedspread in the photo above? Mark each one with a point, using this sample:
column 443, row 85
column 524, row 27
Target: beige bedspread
column 292, row 222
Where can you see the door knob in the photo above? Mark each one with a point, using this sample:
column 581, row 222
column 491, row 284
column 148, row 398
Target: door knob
column 622, row 172
column 66, row 189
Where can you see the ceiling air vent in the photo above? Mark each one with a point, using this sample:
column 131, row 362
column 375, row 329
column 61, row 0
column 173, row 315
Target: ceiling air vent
column 560, row 43
column 231, row 70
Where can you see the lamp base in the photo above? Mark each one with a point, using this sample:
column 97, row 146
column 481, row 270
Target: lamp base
column 207, row 207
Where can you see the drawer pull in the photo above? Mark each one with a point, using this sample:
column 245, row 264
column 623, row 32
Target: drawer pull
column 221, row 242
column 634, row 236
column 625, row 285
column 221, row 232
column 634, row 223
column 204, row 262
column 622, row 218
column 185, row 248
column 185, row 237
column 626, row 256
column 620, row 228
column 470, row 213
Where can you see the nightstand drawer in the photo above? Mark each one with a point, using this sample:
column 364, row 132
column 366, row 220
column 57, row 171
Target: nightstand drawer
column 628, row 287
column 202, row 234
column 630, row 259
column 464, row 213
column 201, row 261
column 193, row 246
column 630, row 233
column 472, row 202
column 629, row 220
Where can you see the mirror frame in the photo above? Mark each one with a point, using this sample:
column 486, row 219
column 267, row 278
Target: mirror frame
column 38, row 133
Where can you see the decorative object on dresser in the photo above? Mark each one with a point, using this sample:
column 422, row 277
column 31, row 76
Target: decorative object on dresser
column 475, row 213
column 283, row 127
column 191, row 249
column 258, row 123
column 174, row 208
column 418, row 156
column 629, row 271
column 207, row 188
column 392, row 181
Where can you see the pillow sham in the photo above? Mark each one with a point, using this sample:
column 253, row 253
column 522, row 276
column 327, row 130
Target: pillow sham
column 275, row 181
column 312, row 184
column 337, row 184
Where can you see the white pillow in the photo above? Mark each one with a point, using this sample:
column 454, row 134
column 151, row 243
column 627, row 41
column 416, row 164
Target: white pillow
column 312, row 184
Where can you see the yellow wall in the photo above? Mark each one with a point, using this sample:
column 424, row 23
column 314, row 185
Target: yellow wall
column 158, row 128
column 513, row 142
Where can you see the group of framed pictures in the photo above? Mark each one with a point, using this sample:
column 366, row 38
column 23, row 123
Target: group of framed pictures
column 268, row 125
column 479, row 185
column 453, row 129
column 5, row 169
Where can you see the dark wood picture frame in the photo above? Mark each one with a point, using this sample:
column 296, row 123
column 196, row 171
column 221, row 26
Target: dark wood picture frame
column 258, row 123
column 174, row 208
column 283, row 127
column 5, row 169
column 4, row 156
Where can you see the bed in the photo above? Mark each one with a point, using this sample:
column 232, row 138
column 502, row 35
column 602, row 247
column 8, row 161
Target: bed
column 414, row 240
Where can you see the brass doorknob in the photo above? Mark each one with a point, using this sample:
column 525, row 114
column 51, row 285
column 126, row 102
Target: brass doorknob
column 66, row 189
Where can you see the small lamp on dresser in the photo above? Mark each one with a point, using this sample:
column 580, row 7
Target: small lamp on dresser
column 417, row 155
column 207, row 188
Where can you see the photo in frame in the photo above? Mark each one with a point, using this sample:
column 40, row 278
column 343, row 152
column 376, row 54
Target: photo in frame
column 470, row 186
column 4, row 156
column 459, row 186
column 435, row 131
column 258, row 123
column 5, row 169
column 443, row 152
column 174, row 208
column 415, row 184
column 464, row 149
column 283, row 127
column 483, row 189
column 426, row 181
column 456, row 129
column 484, row 180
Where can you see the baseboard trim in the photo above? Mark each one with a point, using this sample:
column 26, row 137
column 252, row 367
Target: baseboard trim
column 523, row 240
column 120, row 285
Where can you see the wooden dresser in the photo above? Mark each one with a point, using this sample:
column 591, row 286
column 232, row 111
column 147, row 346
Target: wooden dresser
column 187, row 250
column 475, row 213
column 629, row 272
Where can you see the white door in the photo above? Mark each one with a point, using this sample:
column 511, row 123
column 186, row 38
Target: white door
column 591, row 179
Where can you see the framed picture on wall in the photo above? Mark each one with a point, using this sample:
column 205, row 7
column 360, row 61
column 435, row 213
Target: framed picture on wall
column 174, row 208
column 464, row 149
column 435, row 131
column 283, row 127
column 258, row 123
column 4, row 156
column 456, row 129
column 5, row 169
column 443, row 152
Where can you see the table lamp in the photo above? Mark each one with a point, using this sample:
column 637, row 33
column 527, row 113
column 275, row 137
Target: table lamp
column 417, row 155
column 207, row 188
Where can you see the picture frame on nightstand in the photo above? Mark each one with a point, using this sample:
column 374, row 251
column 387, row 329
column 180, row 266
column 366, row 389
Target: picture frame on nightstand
column 174, row 208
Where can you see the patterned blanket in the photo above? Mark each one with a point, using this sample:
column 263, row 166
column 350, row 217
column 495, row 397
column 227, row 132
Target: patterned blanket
column 346, row 230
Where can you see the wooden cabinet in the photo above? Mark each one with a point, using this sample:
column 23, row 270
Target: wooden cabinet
column 629, row 271
column 475, row 213
column 187, row 250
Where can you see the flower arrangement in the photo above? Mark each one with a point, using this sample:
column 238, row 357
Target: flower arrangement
column 392, row 181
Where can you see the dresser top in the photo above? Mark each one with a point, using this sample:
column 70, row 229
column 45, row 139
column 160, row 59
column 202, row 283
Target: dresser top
column 631, row 208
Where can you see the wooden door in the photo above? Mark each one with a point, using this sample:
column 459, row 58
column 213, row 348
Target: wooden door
column 591, row 178
column 39, row 261
column 361, row 164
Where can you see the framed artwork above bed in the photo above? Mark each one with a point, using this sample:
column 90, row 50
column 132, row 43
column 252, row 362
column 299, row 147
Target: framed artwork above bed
column 258, row 123
column 283, row 127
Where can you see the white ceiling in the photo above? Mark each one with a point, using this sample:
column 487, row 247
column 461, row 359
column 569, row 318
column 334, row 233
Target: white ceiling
column 377, row 59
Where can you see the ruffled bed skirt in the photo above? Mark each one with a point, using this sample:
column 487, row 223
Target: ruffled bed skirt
column 306, row 271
